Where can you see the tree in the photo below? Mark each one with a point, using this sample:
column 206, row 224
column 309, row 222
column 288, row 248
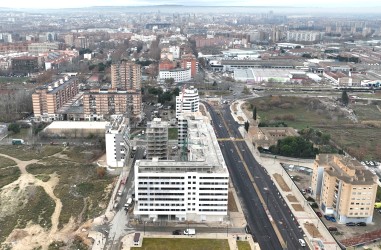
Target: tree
column 170, row 81
column 247, row 125
column 345, row 98
column 14, row 127
column 255, row 113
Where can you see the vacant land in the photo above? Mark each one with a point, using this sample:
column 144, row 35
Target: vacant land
column 281, row 183
column 232, row 206
column 183, row 244
column 47, row 192
column 355, row 132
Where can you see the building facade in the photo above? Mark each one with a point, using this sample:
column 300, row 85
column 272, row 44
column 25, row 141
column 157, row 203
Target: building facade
column 187, row 101
column 117, row 141
column 157, row 139
column 344, row 188
column 126, row 76
column 189, row 61
column 98, row 104
column 47, row 100
column 25, row 64
column 304, row 36
column 179, row 75
column 192, row 190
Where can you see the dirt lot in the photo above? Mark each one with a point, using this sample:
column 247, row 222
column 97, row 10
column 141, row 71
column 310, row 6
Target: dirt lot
column 51, row 197
column 312, row 230
column 292, row 198
column 297, row 207
column 232, row 206
column 281, row 183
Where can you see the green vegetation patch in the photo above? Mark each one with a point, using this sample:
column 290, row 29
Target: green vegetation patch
column 243, row 245
column 358, row 139
column 183, row 244
column 8, row 176
column 80, row 188
column 172, row 133
column 38, row 209
column 4, row 79
column 82, row 154
column 6, row 162
column 27, row 153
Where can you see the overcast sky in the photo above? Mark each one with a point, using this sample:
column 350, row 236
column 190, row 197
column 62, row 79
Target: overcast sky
column 41, row 4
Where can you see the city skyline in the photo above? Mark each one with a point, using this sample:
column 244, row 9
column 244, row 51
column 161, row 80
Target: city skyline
column 43, row 4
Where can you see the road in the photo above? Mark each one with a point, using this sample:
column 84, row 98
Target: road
column 119, row 226
column 265, row 229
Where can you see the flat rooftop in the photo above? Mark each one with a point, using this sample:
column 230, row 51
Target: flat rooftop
column 77, row 125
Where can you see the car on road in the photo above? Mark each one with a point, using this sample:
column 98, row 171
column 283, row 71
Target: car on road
column 350, row 224
column 302, row 242
column 319, row 214
column 361, row 224
column 177, row 232
column 247, row 229
column 332, row 229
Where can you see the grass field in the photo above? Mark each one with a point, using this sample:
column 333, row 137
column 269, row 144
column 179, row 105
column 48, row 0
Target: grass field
column 27, row 153
column 183, row 244
column 358, row 139
column 4, row 79
column 172, row 133
column 243, row 245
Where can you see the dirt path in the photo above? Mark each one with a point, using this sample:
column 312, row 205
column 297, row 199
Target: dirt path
column 26, row 179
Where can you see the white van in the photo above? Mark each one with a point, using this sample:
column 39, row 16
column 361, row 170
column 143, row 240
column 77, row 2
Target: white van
column 302, row 242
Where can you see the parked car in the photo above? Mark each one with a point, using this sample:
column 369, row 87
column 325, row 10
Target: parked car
column 302, row 242
column 319, row 214
column 350, row 224
column 332, row 229
column 177, row 232
column 361, row 224
column 327, row 217
column 332, row 219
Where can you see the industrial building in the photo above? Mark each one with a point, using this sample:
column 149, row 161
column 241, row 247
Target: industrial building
column 344, row 188
column 192, row 190
column 75, row 129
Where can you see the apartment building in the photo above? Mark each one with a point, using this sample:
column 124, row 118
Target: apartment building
column 117, row 140
column 157, row 139
column 126, row 76
column 179, row 75
column 37, row 48
column 25, row 64
column 187, row 101
column 304, row 36
column 344, row 188
column 192, row 190
column 98, row 104
column 47, row 100
column 189, row 61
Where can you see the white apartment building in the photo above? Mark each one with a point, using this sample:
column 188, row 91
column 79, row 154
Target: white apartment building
column 187, row 101
column 195, row 190
column 117, row 141
column 305, row 36
column 179, row 75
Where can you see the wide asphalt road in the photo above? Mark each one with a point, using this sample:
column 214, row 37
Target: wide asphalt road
column 259, row 221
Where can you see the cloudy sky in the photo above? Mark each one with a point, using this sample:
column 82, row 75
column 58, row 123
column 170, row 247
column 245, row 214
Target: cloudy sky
column 37, row 4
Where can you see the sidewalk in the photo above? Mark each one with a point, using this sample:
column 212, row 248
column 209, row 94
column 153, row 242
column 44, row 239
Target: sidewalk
column 305, row 216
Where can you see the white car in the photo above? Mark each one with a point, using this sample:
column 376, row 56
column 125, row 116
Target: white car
column 302, row 242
